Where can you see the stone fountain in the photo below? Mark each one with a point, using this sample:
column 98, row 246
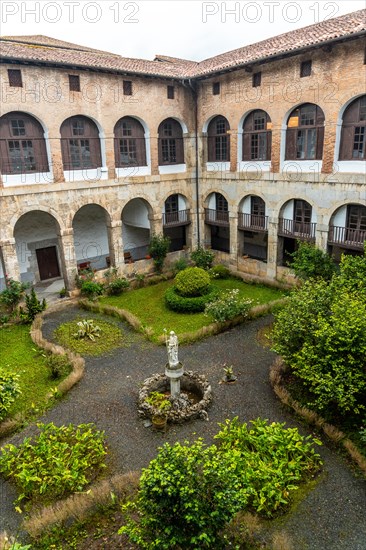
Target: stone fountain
column 189, row 393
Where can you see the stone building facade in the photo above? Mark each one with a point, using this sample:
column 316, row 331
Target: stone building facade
column 248, row 153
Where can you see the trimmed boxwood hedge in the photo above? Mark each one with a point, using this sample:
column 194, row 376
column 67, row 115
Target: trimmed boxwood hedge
column 192, row 304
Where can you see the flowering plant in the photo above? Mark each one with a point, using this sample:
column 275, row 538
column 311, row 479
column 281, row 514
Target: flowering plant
column 227, row 306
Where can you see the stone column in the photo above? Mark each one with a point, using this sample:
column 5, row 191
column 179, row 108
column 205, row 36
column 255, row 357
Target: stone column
column 321, row 235
column 156, row 224
column 68, row 257
column 154, row 154
column 110, row 159
column 233, row 151
column 115, row 243
column 56, row 156
column 233, row 221
column 272, row 250
column 10, row 259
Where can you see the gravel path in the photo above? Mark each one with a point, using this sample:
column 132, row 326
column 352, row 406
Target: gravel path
column 331, row 517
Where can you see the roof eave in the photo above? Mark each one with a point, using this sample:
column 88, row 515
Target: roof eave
column 76, row 67
column 283, row 55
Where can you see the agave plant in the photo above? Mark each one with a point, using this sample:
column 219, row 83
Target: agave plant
column 87, row 329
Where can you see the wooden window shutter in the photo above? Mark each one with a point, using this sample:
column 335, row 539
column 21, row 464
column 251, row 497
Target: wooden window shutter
column 345, row 150
column 247, row 146
column 319, row 142
column 291, row 144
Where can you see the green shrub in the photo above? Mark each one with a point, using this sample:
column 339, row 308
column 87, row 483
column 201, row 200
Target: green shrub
column 13, row 293
column 59, row 365
column 117, row 286
column 310, row 262
column 9, row 390
column 321, row 334
column 180, row 264
column 58, row 461
column 158, row 249
column 33, row 306
column 270, row 460
column 202, row 258
column 186, row 497
column 192, row 281
column 219, row 271
column 188, row 494
column 227, row 306
column 190, row 304
column 91, row 289
column 83, row 276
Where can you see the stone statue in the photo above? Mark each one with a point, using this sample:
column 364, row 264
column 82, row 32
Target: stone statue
column 172, row 347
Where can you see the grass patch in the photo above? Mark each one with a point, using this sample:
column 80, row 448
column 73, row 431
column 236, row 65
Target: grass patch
column 158, row 316
column 111, row 336
column 19, row 354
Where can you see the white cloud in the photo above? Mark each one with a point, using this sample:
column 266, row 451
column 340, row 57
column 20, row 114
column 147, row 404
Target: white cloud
column 191, row 29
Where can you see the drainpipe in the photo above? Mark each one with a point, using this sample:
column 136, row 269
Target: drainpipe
column 193, row 88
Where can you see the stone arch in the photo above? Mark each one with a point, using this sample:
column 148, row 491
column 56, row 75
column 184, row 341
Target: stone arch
column 37, row 239
column 136, row 217
column 90, row 225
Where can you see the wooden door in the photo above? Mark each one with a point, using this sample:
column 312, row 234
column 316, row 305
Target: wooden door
column 47, row 263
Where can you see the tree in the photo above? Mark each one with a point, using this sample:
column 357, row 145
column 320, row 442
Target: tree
column 158, row 249
column 321, row 334
column 310, row 262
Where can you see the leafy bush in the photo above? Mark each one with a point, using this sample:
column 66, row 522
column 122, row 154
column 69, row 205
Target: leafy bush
column 13, row 293
column 194, row 304
column 158, row 249
column 321, row 333
column 189, row 493
column 192, row 281
column 9, row 390
column 202, row 258
column 227, row 306
column 91, row 289
column 83, row 276
column 186, row 497
column 180, row 264
column 59, row 365
column 117, row 286
column 87, row 329
column 270, row 460
column 58, row 461
column 219, row 271
column 310, row 262
column 33, row 306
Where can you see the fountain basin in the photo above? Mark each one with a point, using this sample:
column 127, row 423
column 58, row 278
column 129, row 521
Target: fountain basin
column 193, row 385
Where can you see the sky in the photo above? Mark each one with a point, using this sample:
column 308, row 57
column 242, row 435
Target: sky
column 191, row 29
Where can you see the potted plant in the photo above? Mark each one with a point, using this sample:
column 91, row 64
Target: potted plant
column 160, row 406
column 229, row 374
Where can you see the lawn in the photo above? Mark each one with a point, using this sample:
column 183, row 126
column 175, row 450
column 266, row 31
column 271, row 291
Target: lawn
column 148, row 305
column 19, row 354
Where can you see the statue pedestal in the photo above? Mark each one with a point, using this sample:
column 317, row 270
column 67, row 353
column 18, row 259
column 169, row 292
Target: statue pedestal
column 174, row 373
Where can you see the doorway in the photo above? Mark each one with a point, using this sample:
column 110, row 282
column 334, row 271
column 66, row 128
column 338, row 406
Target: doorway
column 48, row 263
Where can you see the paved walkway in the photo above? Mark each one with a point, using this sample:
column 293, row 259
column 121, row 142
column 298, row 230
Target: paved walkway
column 331, row 517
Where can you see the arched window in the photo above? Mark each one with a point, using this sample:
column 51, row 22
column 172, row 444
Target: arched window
column 353, row 138
column 305, row 133
column 80, row 144
column 129, row 143
column 171, row 150
column 257, row 136
column 218, row 140
column 22, row 145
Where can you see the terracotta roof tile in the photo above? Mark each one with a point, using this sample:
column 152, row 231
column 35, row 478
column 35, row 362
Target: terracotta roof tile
column 312, row 35
column 45, row 50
